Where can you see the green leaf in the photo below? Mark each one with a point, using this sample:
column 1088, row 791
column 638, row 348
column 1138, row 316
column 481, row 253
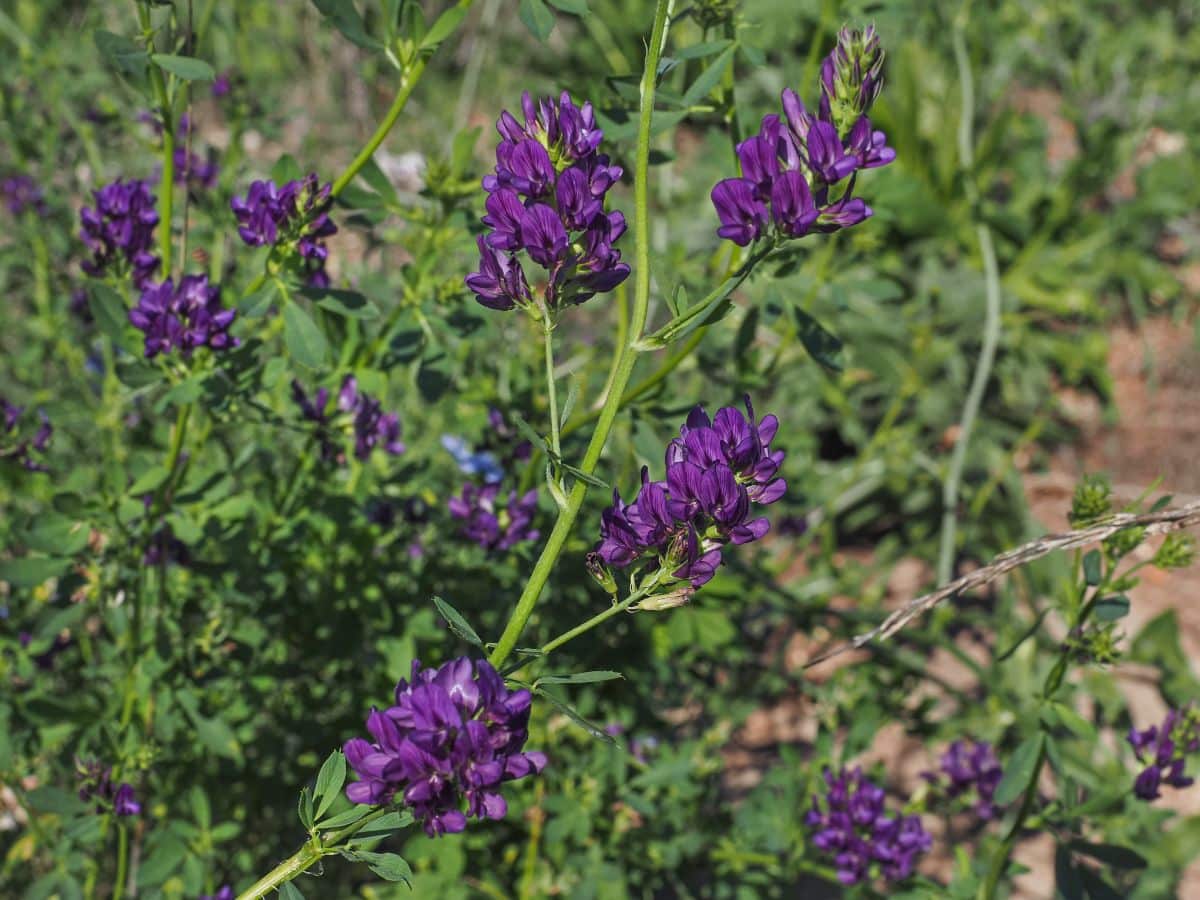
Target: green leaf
column 708, row 79
column 1025, row 635
column 121, row 52
column 186, row 67
column 824, row 347
column 537, row 17
column 304, row 808
column 343, row 16
column 1091, row 567
column 148, row 481
column 30, row 571
column 1061, row 714
column 567, row 710
column 329, row 781
column 388, row 866
column 347, row 817
column 581, row 677
column 109, row 311
column 457, row 623
column 286, row 169
column 52, row 799
column 289, row 891
column 304, row 339
column 384, row 826
column 1110, row 609
column 379, row 182
column 445, row 25
column 258, row 304
column 574, row 7
column 1111, row 854
column 1097, row 887
column 1020, row 771
column 214, row 734
column 350, row 304
column 584, row 476
column 699, row 51
column 57, row 534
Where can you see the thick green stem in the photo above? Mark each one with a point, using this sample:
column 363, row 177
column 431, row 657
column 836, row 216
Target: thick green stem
column 166, row 190
column 637, row 324
column 118, row 890
column 295, row 865
column 991, row 327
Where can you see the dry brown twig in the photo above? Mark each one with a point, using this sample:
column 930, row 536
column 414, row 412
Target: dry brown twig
column 1160, row 522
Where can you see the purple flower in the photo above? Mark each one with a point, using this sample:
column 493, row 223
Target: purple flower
column 293, row 218
column 370, row 425
column 95, row 784
column 223, row 84
column 490, row 524
column 184, row 317
column 22, row 452
column 1164, row 750
column 798, row 172
column 21, row 192
column 546, row 200
column 119, row 232
column 226, row 891
column 852, row 827
column 196, row 171
column 717, row 471
column 968, row 766
column 454, row 735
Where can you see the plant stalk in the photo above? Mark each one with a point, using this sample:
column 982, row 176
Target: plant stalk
column 612, row 405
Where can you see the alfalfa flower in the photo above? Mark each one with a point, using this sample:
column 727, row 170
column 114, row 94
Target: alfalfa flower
column 97, row 786
column 21, row 193
column 798, row 172
column 546, row 203
column 356, row 414
column 851, row 824
column 27, row 452
column 1163, row 749
column 184, row 317
column 717, row 472
column 293, row 219
column 453, row 736
column 969, row 769
column 495, row 519
column 119, row 231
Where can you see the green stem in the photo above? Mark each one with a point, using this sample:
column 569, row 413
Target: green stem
column 166, row 190
column 304, row 858
column 295, row 865
column 1000, row 862
column 551, row 389
column 595, row 620
column 118, row 890
column 612, row 405
column 410, row 74
column 991, row 328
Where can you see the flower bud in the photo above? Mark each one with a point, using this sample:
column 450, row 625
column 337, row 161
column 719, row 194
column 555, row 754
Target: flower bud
column 669, row 600
column 851, row 77
column 1178, row 551
column 601, row 573
column 1092, row 501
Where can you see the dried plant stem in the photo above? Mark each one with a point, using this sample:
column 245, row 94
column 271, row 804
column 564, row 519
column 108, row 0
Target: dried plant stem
column 1161, row 522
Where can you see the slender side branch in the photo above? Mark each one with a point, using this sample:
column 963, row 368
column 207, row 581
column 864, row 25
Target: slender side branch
column 1161, row 522
column 991, row 327
column 612, row 405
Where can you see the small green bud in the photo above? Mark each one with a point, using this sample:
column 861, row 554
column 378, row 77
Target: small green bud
column 1092, row 501
column 601, row 573
column 1178, row 551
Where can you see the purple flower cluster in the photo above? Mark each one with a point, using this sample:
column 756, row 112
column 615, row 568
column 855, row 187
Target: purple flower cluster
column 22, row 452
column 371, row 426
column 119, row 232
column 490, row 524
column 716, row 469
column 546, row 199
column 293, row 218
column 792, row 168
column 455, row 734
column 970, row 766
column 1164, row 749
column 96, row 785
column 183, row 317
column 21, row 192
column 853, row 827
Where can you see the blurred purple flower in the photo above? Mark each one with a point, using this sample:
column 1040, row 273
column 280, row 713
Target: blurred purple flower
column 293, row 218
column 969, row 766
column 454, row 735
column 1164, row 750
column 183, row 317
column 222, row 85
column 119, row 231
column 491, row 525
column 21, row 192
column 850, row 824
column 22, row 452
column 370, row 425
column 95, row 784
